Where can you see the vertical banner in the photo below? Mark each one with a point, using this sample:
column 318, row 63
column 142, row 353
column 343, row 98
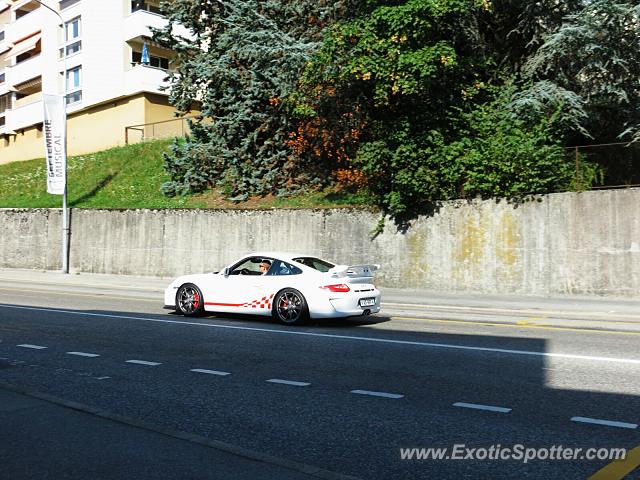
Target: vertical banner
column 54, row 141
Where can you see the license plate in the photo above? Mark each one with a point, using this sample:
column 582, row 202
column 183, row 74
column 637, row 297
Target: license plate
column 367, row 302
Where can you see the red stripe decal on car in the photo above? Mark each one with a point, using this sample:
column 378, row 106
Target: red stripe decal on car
column 224, row 304
column 264, row 302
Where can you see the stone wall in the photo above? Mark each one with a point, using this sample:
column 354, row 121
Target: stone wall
column 568, row 243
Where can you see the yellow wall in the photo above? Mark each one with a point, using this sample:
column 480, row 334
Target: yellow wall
column 99, row 128
column 26, row 144
column 103, row 127
column 157, row 109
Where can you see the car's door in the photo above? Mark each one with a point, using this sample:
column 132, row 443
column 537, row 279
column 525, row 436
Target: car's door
column 236, row 291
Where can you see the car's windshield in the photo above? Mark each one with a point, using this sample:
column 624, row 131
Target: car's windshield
column 315, row 263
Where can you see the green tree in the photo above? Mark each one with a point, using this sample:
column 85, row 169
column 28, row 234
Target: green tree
column 428, row 87
column 384, row 81
column 591, row 64
column 244, row 58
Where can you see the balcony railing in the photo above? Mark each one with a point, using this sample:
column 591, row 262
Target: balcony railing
column 34, row 97
column 25, row 116
column 25, row 26
column 24, row 71
column 137, row 25
column 142, row 78
column 175, row 127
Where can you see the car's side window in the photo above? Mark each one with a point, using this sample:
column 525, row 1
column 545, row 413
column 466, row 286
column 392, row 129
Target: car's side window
column 283, row 268
column 315, row 263
column 250, row 266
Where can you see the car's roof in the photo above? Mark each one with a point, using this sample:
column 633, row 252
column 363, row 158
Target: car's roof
column 280, row 255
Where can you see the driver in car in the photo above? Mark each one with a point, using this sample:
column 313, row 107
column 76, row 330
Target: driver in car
column 264, row 266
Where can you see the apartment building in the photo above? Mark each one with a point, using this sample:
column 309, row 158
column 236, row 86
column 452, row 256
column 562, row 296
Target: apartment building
column 97, row 58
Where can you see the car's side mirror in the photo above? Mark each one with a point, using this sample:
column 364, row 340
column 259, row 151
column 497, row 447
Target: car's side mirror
column 225, row 272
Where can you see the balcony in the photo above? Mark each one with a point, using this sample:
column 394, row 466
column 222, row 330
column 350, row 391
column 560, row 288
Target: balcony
column 25, row 26
column 29, row 99
column 145, row 79
column 25, row 116
column 137, row 25
column 24, row 70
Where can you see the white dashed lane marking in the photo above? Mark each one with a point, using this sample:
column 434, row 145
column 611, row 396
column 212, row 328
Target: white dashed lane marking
column 388, row 341
column 34, row 347
column 83, row 354
column 289, row 382
column 143, row 362
column 476, row 406
column 377, row 394
column 210, row 372
column 607, row 423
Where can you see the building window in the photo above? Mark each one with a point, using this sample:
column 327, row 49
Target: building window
column 1, row 78
column 72, row 29
column 75, row 47
column 157, row 62
column 72, row 33
column 149, row 6
column 5, row 103
column 74, row 97
column 67, row 3
column 1, row 35
column 2, row 121
column 73, row 84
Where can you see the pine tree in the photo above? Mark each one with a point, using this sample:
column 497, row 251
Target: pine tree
column 244, row 59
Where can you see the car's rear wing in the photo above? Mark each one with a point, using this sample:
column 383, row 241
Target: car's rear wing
column 353, row 271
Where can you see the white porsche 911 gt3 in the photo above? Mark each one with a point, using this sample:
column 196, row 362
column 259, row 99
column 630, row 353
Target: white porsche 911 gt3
column 290, row 287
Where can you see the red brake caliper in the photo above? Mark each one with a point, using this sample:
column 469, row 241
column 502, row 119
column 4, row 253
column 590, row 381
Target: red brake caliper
column 196, row 299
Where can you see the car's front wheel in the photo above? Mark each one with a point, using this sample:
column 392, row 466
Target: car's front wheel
column 189, row 301
column 290, row 307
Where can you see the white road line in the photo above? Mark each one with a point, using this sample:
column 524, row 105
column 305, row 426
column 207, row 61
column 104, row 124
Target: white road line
column 476, row 406
column 607, row 423
column 377, row 394
column 83, row 354
column 289, row 382
column 210, row 372
column 34, row 347
column 143, row 362
column 524, row 311
column 567, row 356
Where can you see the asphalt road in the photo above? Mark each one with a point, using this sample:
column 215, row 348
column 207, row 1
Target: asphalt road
column 344, row 396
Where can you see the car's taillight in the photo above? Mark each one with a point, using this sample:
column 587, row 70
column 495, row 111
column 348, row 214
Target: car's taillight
column 340, row 287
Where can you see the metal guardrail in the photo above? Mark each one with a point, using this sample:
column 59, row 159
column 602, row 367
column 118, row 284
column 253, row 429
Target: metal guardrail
column 619, row 164
column 175, row 127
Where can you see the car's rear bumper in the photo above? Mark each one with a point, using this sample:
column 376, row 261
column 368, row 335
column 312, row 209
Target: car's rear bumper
column 345, row 306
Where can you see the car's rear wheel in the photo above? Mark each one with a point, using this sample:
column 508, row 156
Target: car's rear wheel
column 189, row 300
column 290, row 307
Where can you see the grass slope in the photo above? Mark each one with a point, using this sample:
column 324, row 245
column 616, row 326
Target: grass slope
column 130, row 177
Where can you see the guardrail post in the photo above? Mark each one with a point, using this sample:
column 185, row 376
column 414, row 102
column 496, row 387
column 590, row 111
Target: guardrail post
column 578, row 177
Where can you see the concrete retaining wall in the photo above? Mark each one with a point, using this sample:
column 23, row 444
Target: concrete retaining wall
column 569, row 243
